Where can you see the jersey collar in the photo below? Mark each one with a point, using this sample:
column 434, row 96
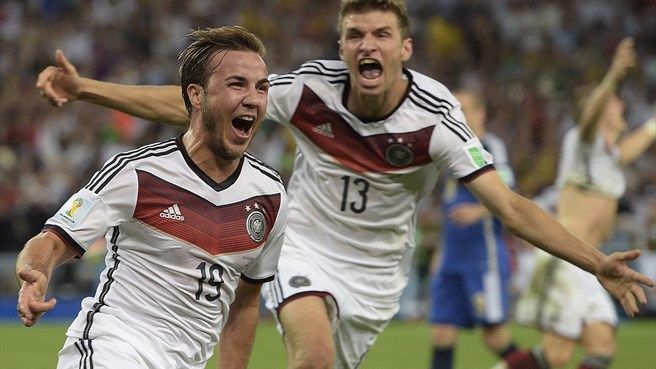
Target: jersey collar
column 204, row 177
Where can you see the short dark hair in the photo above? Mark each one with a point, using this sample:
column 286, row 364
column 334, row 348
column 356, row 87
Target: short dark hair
column 398, row 7
column 195, row 59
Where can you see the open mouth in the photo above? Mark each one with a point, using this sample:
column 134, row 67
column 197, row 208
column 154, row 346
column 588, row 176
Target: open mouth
column 243, row 124
column 370, row 68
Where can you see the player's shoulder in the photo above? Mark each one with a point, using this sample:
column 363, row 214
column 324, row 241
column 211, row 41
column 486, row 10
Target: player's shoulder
column 128, row 161
column 424, row 86
column 264, row 171
column 331, row 71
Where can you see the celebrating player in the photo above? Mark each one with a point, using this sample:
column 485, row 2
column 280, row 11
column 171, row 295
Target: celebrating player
column 194, row 226
column 471, row 285
column 371, row 138
column 570, row 306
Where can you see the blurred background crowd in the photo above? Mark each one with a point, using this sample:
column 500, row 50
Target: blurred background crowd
column 526, row 56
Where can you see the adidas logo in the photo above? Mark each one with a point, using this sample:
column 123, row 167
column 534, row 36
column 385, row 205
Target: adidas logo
column 324, row 129
column 173, row 212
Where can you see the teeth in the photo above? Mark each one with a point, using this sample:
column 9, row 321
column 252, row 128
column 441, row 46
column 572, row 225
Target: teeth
column 248, row 118
column 367, row 61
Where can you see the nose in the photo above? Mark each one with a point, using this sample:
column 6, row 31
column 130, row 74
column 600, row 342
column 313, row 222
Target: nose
column 368, row 43
column 251, row 98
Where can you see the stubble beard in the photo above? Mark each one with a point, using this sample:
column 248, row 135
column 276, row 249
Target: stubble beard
column 215, row 142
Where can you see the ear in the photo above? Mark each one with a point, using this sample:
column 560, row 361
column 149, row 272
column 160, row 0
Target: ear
column 406, row 49
column 195, row 93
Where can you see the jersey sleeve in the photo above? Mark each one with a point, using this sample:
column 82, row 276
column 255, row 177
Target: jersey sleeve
column 498, row 150
column 106, row 201
column 284, row 95
column 264, row 267
column 455, row 146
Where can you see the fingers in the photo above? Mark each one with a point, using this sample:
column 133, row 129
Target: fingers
column 29, row 276
column 63, row 62
column 40, row 307
column 44, row 83
column 31, row 311
column 631, row 299
column 629, row 255
column 629, row 305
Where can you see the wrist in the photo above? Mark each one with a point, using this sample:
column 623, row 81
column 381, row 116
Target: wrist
column 84, row 89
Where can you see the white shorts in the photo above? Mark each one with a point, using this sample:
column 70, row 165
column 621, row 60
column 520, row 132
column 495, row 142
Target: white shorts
column 356, row 320
column 562, row 298
column 98, row 354
column 105, row 352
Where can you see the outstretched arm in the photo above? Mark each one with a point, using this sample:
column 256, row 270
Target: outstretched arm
column 34, row 266
column 526, row 220
column 62, row 83
column 635, row 143
column 623, row 61
column 236, row 342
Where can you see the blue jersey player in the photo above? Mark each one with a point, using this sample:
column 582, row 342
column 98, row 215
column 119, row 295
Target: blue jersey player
column 470, row 287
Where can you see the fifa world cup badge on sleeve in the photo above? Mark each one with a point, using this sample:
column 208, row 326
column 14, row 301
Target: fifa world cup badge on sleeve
column 74, row 211
column 475, row 154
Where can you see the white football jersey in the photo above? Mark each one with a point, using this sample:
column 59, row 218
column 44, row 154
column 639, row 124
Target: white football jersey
column 178, row 244
column 592, row 166
column 356, row 184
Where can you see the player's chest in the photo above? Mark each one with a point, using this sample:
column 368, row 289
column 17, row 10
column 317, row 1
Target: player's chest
column 379, row 147
column 179, row 215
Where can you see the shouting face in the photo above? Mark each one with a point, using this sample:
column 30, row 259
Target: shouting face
column 233, row 103
column 374, row 49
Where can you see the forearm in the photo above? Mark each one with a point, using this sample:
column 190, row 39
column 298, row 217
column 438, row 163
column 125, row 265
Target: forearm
column 236, row 342
column 594, row 105
column 540, row 229
column 155, row 103
column 636, row 142
column 43, row 253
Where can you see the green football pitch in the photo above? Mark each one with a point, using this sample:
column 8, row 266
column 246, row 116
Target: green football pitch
column 403, row 345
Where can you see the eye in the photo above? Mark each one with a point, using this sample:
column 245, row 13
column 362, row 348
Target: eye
column 263, row 87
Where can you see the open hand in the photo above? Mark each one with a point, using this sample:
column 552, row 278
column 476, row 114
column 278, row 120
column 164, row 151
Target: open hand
column 623, row 282
column 31, row 304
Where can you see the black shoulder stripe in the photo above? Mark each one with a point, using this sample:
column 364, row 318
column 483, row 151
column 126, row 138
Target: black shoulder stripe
column 114, row 161
column 443, row 110
column 105, row 174
column 321, row 66
column 457, row 130
column 425, row 96
column 430, row 95
column 281, row 83
column 263, row 167
column 463, row 127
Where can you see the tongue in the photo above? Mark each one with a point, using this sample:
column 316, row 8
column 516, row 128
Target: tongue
column 370, row 73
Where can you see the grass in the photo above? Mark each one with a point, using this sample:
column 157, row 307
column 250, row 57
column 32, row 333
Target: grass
column 403, row 345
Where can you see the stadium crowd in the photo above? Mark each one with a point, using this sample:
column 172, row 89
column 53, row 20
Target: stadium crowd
column 526, row 56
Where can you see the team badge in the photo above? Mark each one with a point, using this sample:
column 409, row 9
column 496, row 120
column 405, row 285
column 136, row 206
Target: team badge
column 399, row 155
column 74, row 211
column 256, row 225
column 299, row 281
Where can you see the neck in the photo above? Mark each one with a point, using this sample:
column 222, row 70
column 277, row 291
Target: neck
column 217, row 168
column 369, row 107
